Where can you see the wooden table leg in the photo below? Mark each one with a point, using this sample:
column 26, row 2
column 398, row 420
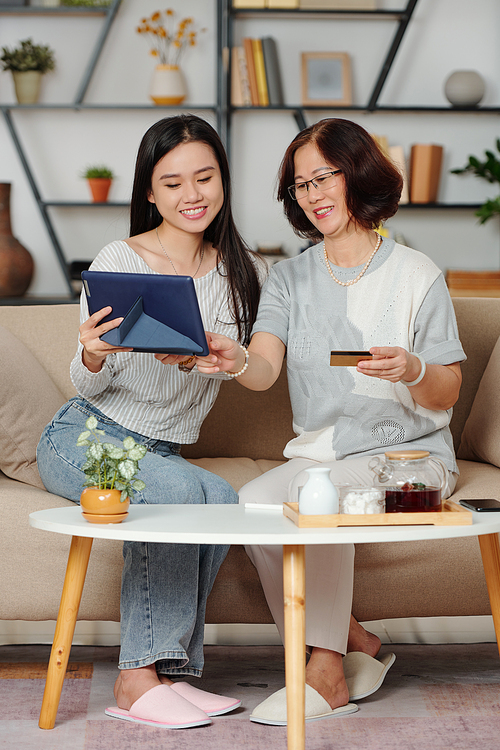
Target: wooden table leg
column 294, row 590
column 490, row 552
column 76, row 571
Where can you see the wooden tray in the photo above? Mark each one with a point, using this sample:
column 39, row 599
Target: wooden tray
column 452, row 515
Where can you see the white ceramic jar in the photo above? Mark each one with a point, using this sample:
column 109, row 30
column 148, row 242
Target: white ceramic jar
column 464, row 88
column 318, row 496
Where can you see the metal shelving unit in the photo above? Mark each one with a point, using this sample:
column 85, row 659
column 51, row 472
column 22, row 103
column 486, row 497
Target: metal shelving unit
column 402, row 18
column 226, row 17
column 108, row 12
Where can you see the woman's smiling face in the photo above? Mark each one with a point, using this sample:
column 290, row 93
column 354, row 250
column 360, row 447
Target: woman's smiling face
column 325, row 209
column 186, row 187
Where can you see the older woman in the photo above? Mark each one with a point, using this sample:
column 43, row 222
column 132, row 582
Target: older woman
column 353, row 290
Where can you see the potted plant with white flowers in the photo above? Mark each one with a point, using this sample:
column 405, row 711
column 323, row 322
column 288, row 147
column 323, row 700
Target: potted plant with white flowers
column 111, row 472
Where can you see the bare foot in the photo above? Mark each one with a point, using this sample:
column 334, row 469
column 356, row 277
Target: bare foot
column 165, row 680
column 325, row 674
column 361, row 640
column 132, row 683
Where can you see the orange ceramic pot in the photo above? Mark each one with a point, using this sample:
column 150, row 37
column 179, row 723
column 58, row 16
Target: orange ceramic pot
column 103, row 506
column 99, row 187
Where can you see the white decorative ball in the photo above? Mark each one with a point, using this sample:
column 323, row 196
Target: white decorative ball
column 464, row 88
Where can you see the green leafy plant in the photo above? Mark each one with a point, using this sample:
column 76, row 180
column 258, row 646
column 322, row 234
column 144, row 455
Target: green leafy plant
column 87, row 3
column 109, row 467
column 98, row 171
column 28, row 56
column 489, row 170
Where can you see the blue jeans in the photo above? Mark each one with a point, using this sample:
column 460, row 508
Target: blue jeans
column 164, row 586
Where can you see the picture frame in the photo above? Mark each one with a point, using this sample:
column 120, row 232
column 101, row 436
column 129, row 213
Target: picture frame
column 326, row 79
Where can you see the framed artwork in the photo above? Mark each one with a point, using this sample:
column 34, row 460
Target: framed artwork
column 326, row 78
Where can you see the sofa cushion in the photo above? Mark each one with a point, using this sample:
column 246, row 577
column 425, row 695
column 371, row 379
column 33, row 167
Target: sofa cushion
column 481, row 434
column 28, row 401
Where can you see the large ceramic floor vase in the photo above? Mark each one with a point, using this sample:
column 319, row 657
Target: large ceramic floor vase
column 168, row 86
column 16, row 263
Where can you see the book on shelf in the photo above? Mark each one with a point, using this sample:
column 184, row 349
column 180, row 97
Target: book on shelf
column 240, row 86
column 252, row 77
column 289, row 4
column 236, row 83
column 473, row 283
column 396, row 154
column 338, row 4
column 260, row 72
column 266, row 4
column 272, row 68
column 249, row 3
column 382, row 143
column 425, row 171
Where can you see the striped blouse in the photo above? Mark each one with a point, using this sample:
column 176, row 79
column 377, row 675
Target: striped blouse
column 136, row 390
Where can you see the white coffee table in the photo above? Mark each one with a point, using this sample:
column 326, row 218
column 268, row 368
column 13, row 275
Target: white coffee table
column 224, row 524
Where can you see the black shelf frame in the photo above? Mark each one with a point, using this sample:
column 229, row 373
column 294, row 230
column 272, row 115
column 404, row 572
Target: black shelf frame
column 360, row 108
column 108, row 12
column 443, row 206
column 223, row 110
column 56, row 10
column 401, row 16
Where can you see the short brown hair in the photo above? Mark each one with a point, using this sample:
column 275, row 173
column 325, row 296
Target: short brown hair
column 372, row 183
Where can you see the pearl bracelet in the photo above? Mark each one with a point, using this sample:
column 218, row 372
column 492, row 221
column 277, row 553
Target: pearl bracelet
column 422, row 372
column 245, row 366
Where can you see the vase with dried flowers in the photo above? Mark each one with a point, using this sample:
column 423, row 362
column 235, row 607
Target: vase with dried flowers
column 168, row 41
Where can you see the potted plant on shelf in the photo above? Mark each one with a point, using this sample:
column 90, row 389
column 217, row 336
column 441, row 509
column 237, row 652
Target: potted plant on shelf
column 111, row 475
column 489, row 170
column 27, row 63
column 99, row 178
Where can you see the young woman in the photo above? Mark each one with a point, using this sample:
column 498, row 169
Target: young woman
column 353, row 290
column 181, row 223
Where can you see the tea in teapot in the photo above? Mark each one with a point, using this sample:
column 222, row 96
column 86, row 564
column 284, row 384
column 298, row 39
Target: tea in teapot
column 412, row 484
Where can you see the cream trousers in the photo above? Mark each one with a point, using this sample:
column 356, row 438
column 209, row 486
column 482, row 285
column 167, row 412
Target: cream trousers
column 329, row 568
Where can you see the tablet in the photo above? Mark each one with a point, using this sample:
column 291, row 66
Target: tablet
column 160, row 313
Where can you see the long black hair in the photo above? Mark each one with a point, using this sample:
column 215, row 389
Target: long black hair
column 237, row 260
column 372, row 182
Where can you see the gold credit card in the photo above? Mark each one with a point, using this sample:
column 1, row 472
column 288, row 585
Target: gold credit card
column 348, row 359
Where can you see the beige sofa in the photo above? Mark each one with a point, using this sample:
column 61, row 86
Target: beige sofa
column 243, row 436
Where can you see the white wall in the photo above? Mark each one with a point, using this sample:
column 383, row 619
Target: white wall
column 444, row 35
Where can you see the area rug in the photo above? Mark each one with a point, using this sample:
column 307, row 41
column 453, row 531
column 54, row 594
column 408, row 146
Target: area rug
column 444, row 697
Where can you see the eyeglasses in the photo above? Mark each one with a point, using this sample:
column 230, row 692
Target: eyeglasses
column 322, row 182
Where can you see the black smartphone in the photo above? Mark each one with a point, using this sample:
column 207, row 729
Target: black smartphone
column 484, row 504
column 348, row 358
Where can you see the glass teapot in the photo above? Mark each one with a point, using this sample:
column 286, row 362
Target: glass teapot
column 412, row 483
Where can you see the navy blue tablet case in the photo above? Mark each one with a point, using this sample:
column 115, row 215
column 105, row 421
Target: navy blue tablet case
column 160, row 313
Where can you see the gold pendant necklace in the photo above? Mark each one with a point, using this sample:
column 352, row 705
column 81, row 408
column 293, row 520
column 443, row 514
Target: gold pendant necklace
column 170, row 259
column 360, row 274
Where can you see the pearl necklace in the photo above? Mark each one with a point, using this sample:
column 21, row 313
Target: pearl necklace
column 170, row 259
column 360, row 274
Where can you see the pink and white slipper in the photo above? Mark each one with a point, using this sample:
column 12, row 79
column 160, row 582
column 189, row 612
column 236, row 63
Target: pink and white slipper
column 211, row 703
column 162, row 707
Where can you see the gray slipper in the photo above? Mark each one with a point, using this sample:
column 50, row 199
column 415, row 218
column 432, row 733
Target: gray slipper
column 273, row 709
column 364, row 675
